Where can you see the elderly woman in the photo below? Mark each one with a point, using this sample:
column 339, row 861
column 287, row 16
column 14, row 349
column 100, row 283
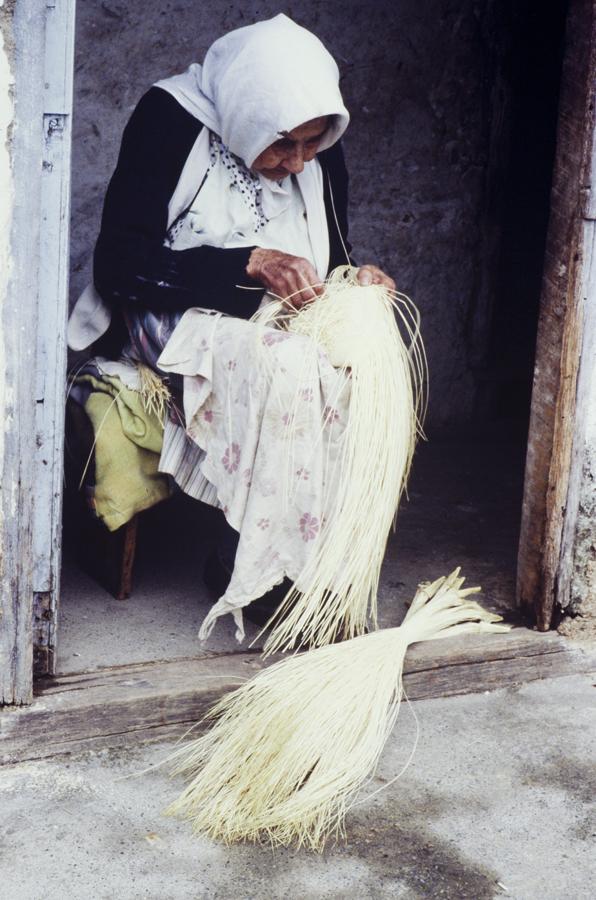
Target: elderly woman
column 231, row 185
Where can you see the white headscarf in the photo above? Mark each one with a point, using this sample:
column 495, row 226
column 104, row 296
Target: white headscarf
column 255, row 82
column 259, row 81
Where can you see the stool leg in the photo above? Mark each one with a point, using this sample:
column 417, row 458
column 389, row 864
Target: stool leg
column 129, row 547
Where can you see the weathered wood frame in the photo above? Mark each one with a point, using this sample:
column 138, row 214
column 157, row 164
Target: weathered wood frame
column 52, row 310
column 564, row 383
column 18, row 337
column 129, row 705
column 33, row 320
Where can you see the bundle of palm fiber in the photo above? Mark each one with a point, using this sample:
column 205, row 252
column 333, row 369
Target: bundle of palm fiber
column 155, row 394
column 360, row 329
column 291, row 748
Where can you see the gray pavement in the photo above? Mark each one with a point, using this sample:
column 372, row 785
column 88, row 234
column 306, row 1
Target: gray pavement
column 498, row 802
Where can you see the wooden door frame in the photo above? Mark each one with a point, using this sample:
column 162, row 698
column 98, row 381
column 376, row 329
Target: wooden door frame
column 52, row 314
column 564, row 389
column 33, row 309
column 33, row 406
column 18, row 315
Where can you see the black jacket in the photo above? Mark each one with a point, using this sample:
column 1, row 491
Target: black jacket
column 130, row 261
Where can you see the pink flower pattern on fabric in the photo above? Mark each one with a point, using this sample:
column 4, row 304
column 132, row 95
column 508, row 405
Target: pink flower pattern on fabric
column 270, row 338
column 267, row 487
column 309, row 526
column 231, row 458
column 251, row 431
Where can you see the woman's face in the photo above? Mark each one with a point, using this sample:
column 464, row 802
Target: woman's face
column 288, row 155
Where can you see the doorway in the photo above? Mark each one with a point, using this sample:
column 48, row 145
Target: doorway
column 452, row 198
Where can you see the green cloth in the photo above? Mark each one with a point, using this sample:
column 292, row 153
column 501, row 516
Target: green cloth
column 128, row 443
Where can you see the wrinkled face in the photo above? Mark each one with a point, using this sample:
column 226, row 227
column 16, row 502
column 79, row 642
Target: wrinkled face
column 294, row 148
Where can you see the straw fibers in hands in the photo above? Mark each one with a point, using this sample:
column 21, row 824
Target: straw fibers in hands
column 371, row 334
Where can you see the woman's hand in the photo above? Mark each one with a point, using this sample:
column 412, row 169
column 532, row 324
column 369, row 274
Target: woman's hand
column 289, row 277
column 373, row 275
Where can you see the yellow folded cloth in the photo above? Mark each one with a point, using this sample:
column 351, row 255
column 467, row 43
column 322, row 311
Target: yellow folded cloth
column 128, row 441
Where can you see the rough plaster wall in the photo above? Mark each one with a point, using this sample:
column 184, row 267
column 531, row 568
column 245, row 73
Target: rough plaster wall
column 582, row 596
column 6, row 185
column 583, row 586
column 413, row 75
column 580, row 620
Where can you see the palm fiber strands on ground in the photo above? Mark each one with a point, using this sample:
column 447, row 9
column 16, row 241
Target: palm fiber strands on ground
column 290, row 749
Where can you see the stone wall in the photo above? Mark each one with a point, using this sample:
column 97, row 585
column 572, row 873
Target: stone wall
column 419, row 78
column 583, row 584
column 581, row 607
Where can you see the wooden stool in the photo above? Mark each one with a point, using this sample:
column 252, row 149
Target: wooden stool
column 108, row 556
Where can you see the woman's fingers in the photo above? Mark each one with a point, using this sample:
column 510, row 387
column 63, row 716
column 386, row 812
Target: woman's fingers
column 289, row 277
column 373, row 275
column 301, row 282
column 305, row 287
column 294, row 278
column 365, row 276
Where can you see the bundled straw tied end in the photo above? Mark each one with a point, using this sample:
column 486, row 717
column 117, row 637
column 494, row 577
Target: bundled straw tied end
column 291, row 749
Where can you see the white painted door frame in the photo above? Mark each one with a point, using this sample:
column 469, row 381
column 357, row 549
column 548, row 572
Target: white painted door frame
column 54, row 263
column 33, row 324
